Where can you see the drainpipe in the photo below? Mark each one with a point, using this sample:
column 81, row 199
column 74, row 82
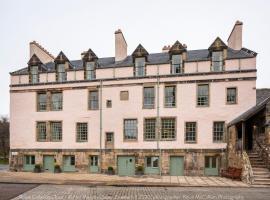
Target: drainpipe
column 158, row 122
column 100, row 125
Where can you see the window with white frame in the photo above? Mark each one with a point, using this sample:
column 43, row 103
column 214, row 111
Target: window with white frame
column 150, row 128
column 41, row 131
column 61, row 73
column 190, row 132
column 152, row 161
column 203, row 95
column 148, row 97
column 93, row 100
column 217, row 61
column 56, row 131
column 42, row 101
column 140, row 66
column 34, row 75
column 231, row 95
column 56, row 101
column 168, row 128
column 177, row 64
column 82, row 132
column 218, row 131
column 90, row 70
column 170, row 96
column 130, row 129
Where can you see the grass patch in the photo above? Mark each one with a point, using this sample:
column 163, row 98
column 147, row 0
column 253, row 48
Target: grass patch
column 4, row 161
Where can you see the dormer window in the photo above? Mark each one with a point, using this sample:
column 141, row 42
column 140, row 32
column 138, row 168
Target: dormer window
column 61, row 73
column 90, row 70
column 217, row 61
column 140, row 67
column 217, row 53
column 139, row 58
column 34, row 67
column 34, row 75
column 178, row 53
column 177, row 64
column 90, row 62
column 62, row 64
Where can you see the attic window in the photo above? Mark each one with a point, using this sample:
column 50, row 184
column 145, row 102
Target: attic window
column 34, row 76
column 61, row 73
column 90, row 71
column 217, row 61
column 140, row 66
column 177, row 64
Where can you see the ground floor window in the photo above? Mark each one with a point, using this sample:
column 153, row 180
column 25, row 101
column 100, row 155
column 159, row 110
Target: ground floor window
column 29, row 160
column 152, row 161
column 94, row 160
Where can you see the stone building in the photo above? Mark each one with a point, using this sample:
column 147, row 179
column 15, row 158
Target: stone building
column 166, row 111
column 249, row 141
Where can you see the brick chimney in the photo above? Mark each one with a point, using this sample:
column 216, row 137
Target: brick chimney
column 41, row 52
column 120, row 46
column 235, row 38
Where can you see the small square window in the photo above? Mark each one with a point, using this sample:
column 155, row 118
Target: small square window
column 109, row 137
column 109, row 103
column 124, row 96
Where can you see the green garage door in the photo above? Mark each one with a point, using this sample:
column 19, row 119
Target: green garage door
column 211, row 166
column 48, row 163
column 176, row 166
column 126, row 165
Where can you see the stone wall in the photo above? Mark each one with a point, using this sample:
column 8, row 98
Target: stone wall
column 193, row 159
column 234, row 157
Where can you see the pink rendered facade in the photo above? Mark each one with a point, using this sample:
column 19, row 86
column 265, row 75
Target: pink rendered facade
column 238, row 72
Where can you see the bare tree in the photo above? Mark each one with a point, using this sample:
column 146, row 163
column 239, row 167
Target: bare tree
column 4, row 137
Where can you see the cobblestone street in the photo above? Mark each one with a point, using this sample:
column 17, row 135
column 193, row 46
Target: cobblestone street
column 68, row 192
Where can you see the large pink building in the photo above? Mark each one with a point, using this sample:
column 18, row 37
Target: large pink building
column 166, row 112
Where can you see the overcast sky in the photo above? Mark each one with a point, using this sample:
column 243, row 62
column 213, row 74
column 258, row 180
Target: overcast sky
column 75, row 26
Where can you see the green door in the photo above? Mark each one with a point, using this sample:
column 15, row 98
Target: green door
column 93, row 164
column 69, row 164
column 151, row 165
column 176, row 166
column 48, row 163
column 28, row 163
column 126, row 165
column 211, row 166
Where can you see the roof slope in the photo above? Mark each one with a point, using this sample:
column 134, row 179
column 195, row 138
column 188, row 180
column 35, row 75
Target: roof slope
column 153, row 58
column 262, row 98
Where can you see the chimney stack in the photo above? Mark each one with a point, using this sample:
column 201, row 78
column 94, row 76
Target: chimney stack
column 41, row 52
column 120, row 46
column 235, row 38
column 166, row 48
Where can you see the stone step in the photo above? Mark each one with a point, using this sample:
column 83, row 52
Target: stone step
column 263, row 173
column 257, row 163
column 255, row 158
column 257, row 169
column 258, row 166
column 261, row 183
column 262, row 180
column 258, row 176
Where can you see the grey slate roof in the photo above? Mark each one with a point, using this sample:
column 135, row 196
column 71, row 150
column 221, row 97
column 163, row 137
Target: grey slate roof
column 262, row 98
column 153, row 58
